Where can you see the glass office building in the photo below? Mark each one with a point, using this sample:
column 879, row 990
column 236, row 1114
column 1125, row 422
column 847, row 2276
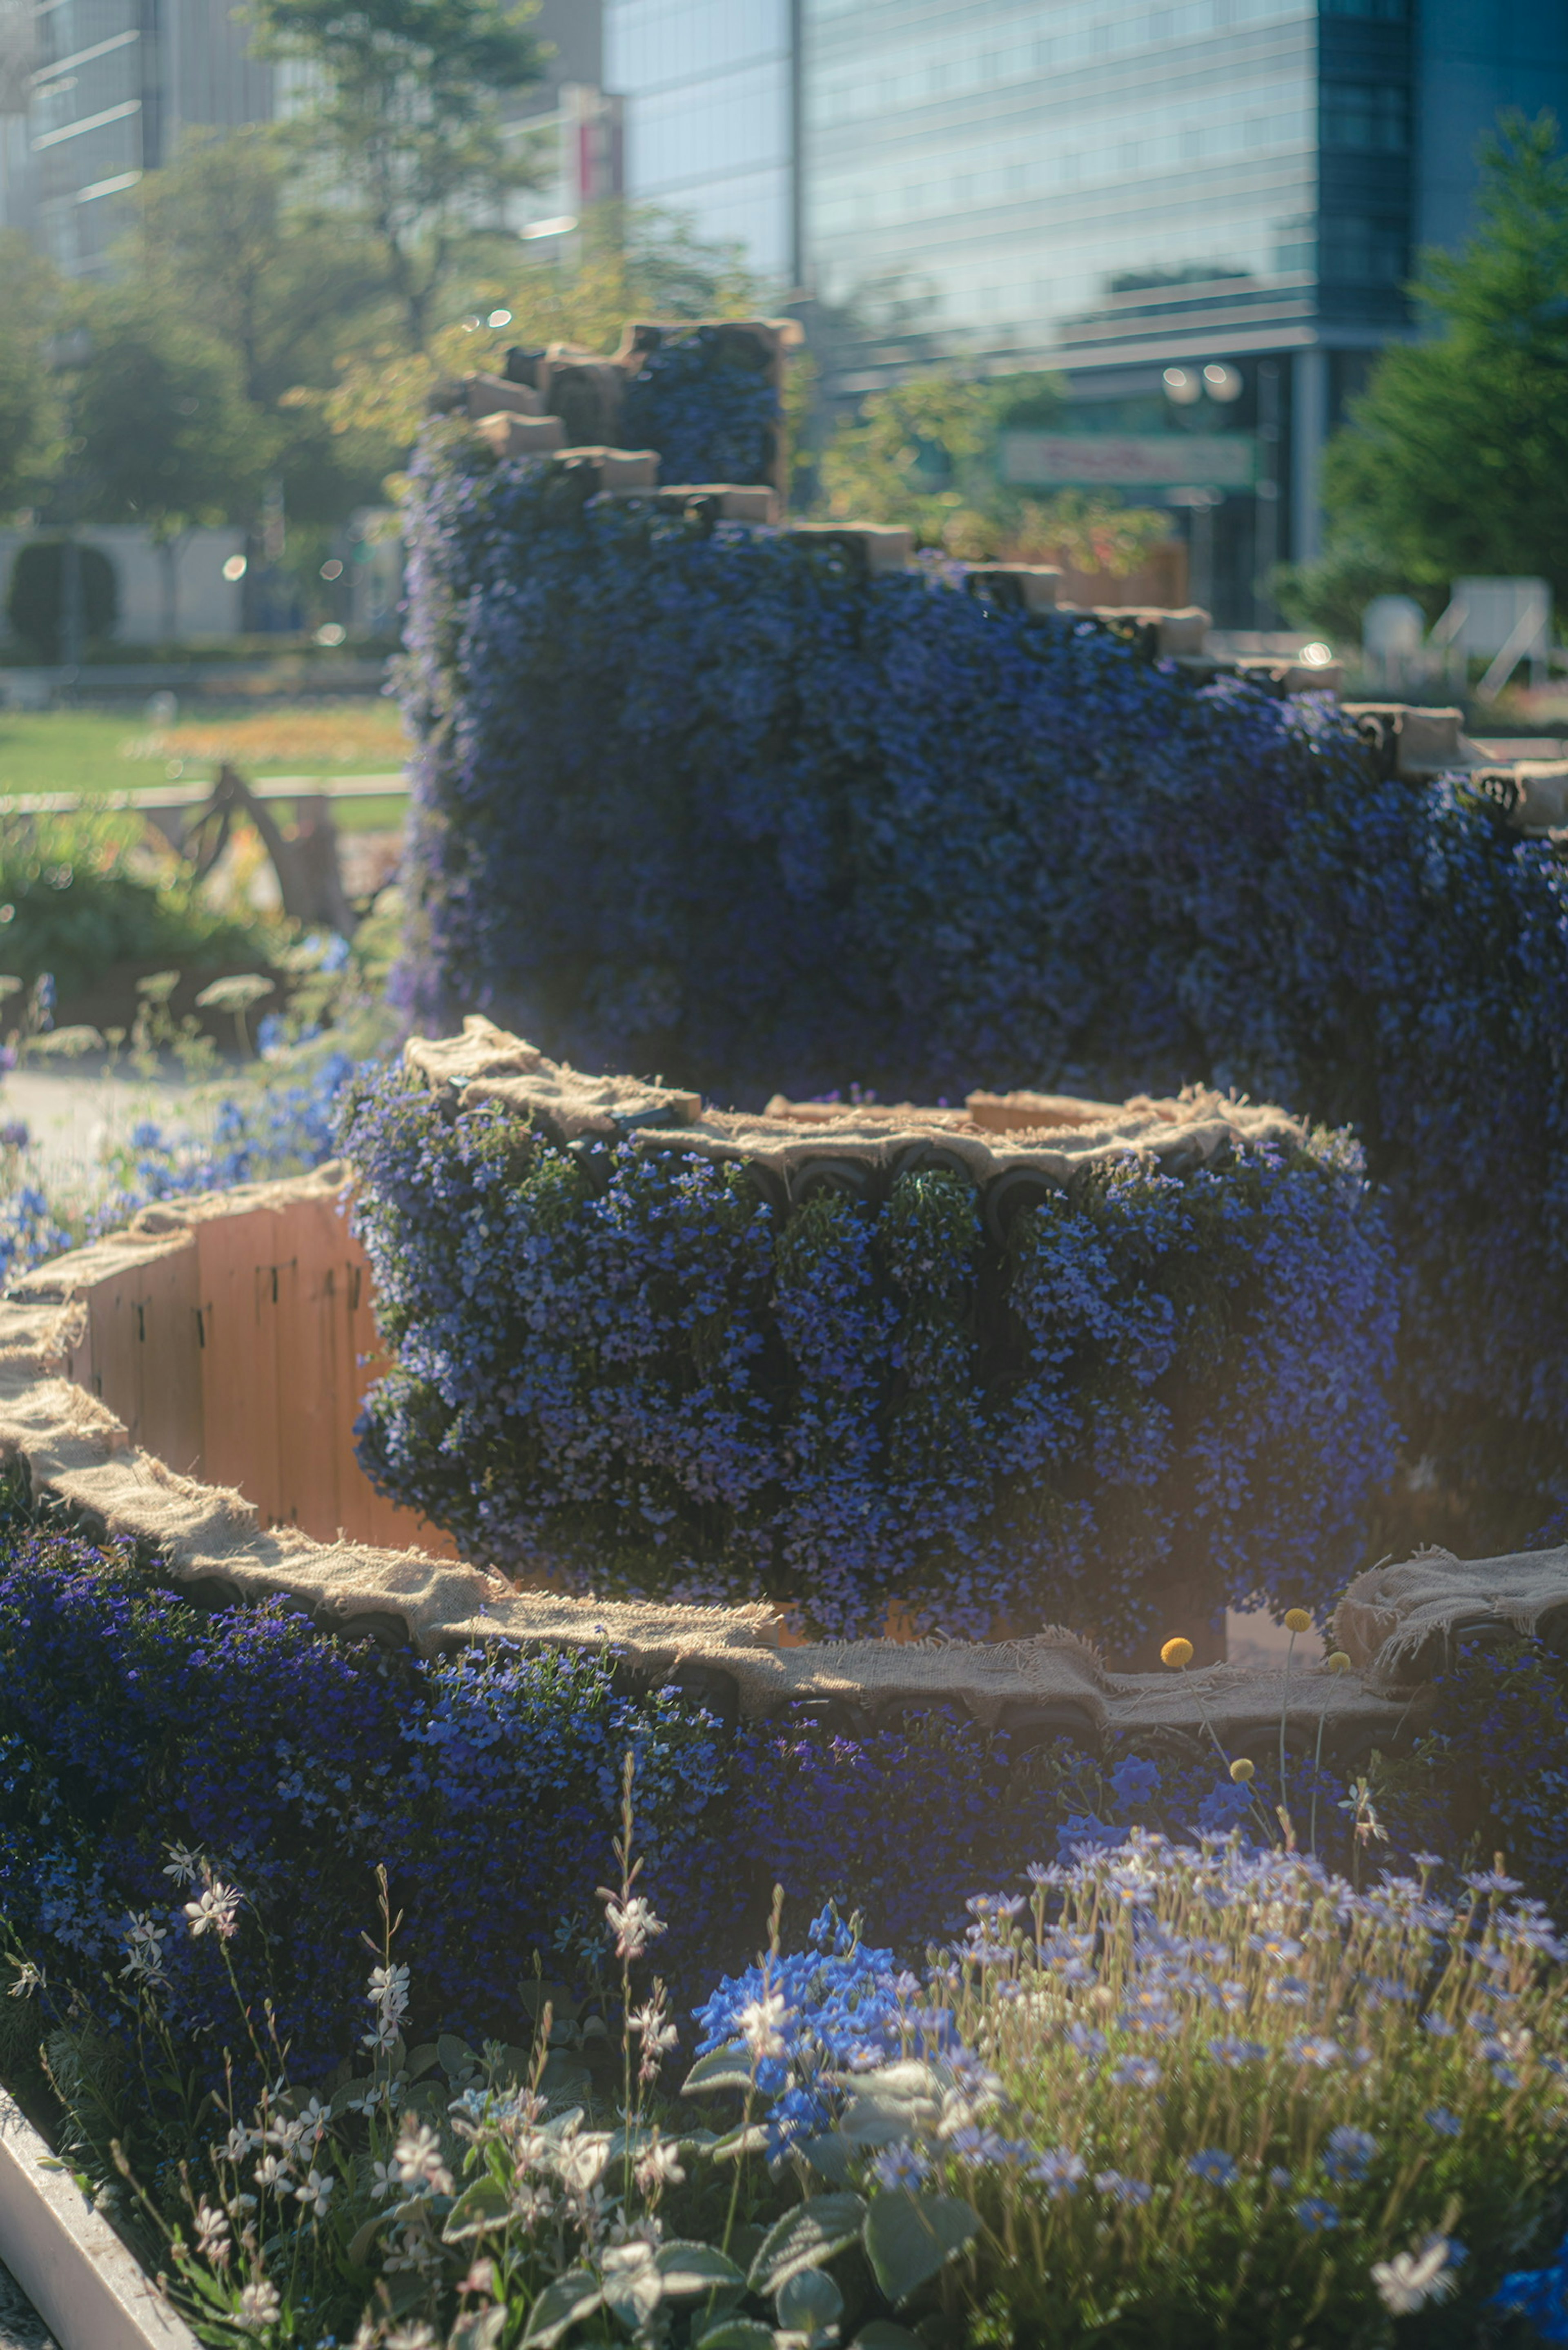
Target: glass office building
column 709, row 94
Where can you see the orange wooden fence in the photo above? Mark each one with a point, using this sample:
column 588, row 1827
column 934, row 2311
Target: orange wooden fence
column 239, row 1349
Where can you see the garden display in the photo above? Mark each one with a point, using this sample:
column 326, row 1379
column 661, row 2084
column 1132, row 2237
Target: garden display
column 744, row 806
column 780, row 1860
column 1031, row 1360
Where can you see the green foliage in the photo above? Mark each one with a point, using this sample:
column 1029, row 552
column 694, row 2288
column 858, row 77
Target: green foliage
column 35, row 599
column 159, row 406
column 407, row 115
column 1456, row 458
column 226, row 243
column 924, row 452
column 29, row 422
column 73, row 902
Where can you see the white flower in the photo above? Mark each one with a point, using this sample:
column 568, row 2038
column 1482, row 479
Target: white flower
column 659, row 2165
column 28, row 1979
column 1410, row 2280
column 760, row 2025
column 212, row 2232
column 313, row 2121
column 384, row 2180
column 260, row 2305
column 217, row 1906
column 418, row 2160
column 144, row 1955
column 272, row 2172
column 316, row 2193
column 237, row 2145
column 580, row 2159
column 388, row 1989
column 183, row 1866
column 632, row 1922
column 417, row 2336
column 655, row 2031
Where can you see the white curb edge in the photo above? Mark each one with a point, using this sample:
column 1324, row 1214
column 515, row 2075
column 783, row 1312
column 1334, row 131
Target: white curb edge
column 88, row 2290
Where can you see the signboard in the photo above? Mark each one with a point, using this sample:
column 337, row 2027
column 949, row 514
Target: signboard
column 1123, row 460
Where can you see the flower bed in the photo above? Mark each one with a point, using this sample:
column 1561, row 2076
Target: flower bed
column 701, row 799
column 626, row 1367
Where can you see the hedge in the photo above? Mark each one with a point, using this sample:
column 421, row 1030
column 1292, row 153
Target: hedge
column 699, row 799
column 627, row 1370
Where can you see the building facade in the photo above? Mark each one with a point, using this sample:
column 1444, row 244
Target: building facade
column 1202, row 213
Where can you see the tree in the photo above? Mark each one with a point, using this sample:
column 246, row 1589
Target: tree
column 626, row 262
column 925, row 452
column 29, row 304
column 408, row 121
column 1455, row 460
column 167, row 438
column 225, row 240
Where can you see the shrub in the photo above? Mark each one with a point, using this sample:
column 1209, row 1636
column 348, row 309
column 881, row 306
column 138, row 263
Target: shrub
column 35, row 598
column 626, row 1367
column 1183, row 2095
column 73, row 903
column 705, row 802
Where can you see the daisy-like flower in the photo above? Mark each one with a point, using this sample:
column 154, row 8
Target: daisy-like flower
column 272, row 2172
column 260, row 2306
column 315, row 2191
column 216, row 1909
column 183, row 1866
column 1410, row 2280
column 418, row 2160
column 212, row 2232
column 1136, row 2073
column 236, row 2145
column 1215, row 2165
column 632, row 1921
column 760, row 2024
column 1316, row 2216
column 1348, row 2152
column 1132, row 2193
column 1059, row 2169
column 1446, row 2124
column 901, row 2166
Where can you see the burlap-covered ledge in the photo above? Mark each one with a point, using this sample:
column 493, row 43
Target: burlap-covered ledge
column 1396, row 1623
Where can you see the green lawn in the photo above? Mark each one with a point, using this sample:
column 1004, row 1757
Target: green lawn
column 96, row 751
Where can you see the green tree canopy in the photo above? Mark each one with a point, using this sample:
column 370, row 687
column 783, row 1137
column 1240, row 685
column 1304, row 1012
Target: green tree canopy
column 925, row 452
column 1455, row 460
column 30, row 308
column 407, row 123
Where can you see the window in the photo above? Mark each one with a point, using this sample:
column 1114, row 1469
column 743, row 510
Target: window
column 1360, row 250
column 1381, row 12
column 1368, row 118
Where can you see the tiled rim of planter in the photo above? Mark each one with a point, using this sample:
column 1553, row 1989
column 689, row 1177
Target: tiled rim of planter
column 1396, row 1623
column 90, row 2290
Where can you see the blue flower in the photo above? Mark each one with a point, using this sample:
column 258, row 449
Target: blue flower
column 1216, row 2166
column 1316, row 2216
column 1348, row 2152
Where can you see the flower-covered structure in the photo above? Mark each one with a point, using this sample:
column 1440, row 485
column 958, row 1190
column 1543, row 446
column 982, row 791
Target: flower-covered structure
column 1031, row 1360
column 718, row 800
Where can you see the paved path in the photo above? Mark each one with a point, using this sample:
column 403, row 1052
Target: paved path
column 21, row 2327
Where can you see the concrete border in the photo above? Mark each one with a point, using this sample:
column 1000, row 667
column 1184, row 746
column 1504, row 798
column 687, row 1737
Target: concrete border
column 91, row 2291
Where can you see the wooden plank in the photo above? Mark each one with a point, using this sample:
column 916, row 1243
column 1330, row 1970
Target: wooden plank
column 238, row 1350
column 310, row 1347
column 165, row 1307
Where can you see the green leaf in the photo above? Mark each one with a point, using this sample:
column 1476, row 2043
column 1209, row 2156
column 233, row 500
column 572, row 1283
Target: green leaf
column 560, row 2305
column 482, row 2330
column 883, row 2335
column 478, row 2209
column 751, row 2139
column 689, row 2269
column 456, row 2058
column 364, row 2238
column 736, row 2333
column 809, row 2302
column 562, row 2073
column 908, row 2237
column 425, row 2059
column 725, row 2068
column 806, row 2237
column 902, row 2101
column 829, row 2156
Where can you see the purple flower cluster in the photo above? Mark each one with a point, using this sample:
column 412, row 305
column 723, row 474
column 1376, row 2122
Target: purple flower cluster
column 702, row 801
column 705, row 400
column 627, row 1365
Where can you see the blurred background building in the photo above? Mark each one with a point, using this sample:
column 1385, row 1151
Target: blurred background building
column 1201, row 212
